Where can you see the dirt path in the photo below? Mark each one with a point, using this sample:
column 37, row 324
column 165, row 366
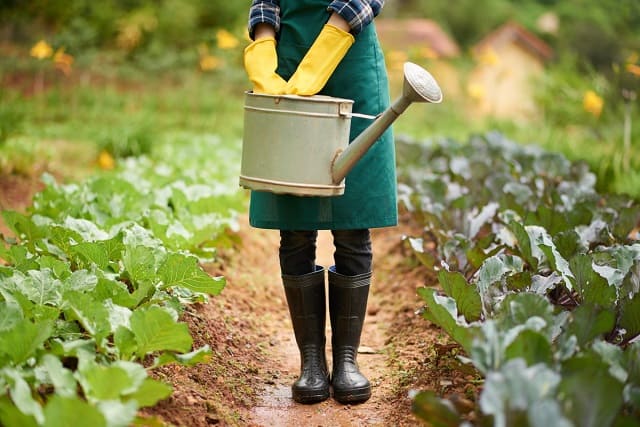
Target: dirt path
column 254, row 285
column 15, row 194
column 255, row 359
column 274, row 406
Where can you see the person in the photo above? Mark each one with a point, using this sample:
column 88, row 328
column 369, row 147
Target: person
column 326, row 47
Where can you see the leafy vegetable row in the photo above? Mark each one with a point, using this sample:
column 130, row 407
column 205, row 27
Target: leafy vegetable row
column 539, row 278
column 92, row 289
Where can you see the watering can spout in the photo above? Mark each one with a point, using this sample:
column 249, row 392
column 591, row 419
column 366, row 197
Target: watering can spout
column 419, row 86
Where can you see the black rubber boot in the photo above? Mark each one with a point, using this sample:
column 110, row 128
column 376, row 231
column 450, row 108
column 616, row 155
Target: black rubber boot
column 347, row 308
column 307, row 306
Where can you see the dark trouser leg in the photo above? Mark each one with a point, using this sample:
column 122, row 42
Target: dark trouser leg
column 305, row 291
column 297, row 252
column 353, row 251
column 349, row 283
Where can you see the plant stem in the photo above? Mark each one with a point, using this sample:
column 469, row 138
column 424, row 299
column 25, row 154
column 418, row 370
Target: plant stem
column 629, row 96
column 626, row 137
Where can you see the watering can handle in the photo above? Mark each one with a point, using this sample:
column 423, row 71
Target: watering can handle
column 365, row 116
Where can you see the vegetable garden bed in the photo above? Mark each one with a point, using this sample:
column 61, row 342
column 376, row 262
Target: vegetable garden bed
column 95, row 279
column 539, row 282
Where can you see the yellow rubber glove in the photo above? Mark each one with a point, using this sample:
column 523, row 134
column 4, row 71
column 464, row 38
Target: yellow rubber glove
column 260, row 62
column 320, row 61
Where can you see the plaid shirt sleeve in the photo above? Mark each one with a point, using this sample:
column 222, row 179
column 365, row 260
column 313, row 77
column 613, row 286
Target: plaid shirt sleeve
column 358, row 13
column 267, row 11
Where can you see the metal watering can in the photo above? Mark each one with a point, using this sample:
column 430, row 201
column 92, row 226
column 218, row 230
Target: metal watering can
column 299, row 145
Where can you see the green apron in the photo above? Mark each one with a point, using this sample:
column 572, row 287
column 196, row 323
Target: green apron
column 370, row 198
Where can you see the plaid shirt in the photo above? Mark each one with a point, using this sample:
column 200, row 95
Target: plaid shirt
column 358, row 13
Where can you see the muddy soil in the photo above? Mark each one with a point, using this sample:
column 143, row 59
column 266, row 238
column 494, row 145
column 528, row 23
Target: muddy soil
column 247, row 383
column 16, row 192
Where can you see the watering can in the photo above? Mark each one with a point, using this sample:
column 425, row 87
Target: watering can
column 299, row 145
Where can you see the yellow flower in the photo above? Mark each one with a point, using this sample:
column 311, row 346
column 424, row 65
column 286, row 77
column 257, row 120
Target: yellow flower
column 41, row 50
column 488, row 57
column 634, row 69
column 226, row 40
column 476, row 91
column 63, row 61
column 210, row 62
column 106, row 160
column 592, row 103
column 633, row 58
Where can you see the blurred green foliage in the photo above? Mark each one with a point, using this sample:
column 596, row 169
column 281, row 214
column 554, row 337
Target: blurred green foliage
column 134, row 138
column 598, row 33
column 142, row 67
column 88, row 23
column 11, row 116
